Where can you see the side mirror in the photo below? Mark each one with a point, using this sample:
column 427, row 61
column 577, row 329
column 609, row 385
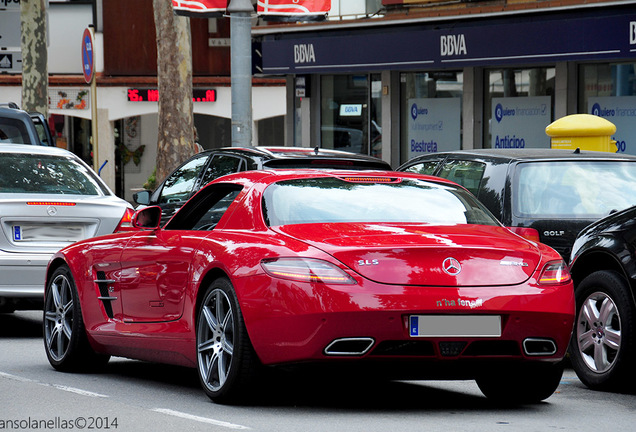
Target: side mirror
column 147, row 218
column 142, row 197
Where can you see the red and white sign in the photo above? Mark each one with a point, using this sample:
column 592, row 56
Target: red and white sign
column 293, row 7
column 200, row 6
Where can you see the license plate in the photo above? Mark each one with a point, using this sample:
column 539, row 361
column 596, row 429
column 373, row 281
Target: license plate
column 455, row 325
column 47, row 233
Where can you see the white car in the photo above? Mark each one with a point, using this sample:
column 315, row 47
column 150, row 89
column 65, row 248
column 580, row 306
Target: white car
column 49, row 198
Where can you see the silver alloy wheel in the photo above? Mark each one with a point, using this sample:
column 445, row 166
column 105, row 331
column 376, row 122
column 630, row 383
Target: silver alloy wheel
column 58, row 317
column 598, row 332
column 215, row 339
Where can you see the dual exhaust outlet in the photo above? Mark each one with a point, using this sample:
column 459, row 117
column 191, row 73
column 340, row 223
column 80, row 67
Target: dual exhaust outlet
column 361, row 345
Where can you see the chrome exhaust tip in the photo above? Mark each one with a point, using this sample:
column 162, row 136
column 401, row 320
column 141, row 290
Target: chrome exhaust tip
column 349, row 346
column 539, row 347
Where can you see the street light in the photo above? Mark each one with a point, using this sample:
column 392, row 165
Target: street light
column 240, row 12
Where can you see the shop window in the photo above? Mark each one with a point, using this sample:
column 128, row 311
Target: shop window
column 351, row 113
column 519, row 104
column 431, row 112
column 609, row 90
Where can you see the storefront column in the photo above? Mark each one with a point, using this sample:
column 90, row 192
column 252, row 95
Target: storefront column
column 564, row 97
column 290, row 118
column 472, row 108
column 391, row 117
column 106, row 150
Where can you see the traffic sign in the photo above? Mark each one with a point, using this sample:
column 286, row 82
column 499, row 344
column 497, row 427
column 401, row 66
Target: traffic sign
column 88, row 55
column 11, row 61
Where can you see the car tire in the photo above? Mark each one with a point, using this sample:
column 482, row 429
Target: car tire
column 603, row 349
column 521, row 384
column 65, row 340
column 226, row 361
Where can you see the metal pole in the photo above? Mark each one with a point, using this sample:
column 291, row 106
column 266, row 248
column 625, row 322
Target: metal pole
column 241, row 58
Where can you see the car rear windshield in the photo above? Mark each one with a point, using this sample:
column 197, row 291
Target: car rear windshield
column 13, row 131
column 362, row 199
column 575, row 189
column 47, row 174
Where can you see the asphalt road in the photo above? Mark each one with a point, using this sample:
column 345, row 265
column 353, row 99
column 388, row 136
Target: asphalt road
column 137, row 396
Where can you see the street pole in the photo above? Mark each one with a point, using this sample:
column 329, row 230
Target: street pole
column 240, row 12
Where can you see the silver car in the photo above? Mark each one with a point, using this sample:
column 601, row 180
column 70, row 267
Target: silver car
column 49, row 198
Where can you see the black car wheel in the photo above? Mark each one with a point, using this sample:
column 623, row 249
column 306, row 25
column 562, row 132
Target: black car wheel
column 603, row 347
column 528, row 383
column 65, row 340
column 226, row 359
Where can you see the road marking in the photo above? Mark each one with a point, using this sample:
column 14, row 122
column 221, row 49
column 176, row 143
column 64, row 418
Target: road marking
column 57, row 386
column 199, row 419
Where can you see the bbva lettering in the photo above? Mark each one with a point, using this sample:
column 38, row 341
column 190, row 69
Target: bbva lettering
column 632, row 32
column 453, row 45
column 304, row 53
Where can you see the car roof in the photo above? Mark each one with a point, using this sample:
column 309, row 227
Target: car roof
column 535, row 154
column 292, row 153
column 31, row 149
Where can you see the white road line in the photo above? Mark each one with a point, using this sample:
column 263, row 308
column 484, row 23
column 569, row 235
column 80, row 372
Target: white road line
column 199, row 419
column 57, row 386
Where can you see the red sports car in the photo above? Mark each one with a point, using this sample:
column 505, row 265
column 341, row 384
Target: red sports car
column 400, row 272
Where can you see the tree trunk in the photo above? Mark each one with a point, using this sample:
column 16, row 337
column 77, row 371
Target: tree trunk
column 35, row 75
column 174, row 71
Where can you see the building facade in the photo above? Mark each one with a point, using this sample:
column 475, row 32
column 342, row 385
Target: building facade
column 426, row 76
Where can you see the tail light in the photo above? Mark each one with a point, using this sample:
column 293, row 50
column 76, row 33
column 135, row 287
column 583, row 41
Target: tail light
column 555, row 272
column 527, row 233
column 125, row 224
column 306, row 270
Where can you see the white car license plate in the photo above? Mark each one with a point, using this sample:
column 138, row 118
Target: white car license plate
column 455, row 325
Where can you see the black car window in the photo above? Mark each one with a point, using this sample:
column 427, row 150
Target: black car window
column 13, row 131
column 221, row 165
column 426, row 167
column 573, row 189
column 179, row 184
column 467, row 173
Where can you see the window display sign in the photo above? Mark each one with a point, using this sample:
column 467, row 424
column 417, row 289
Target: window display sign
column 620, row 110
column 520, row 122
column 433, row 125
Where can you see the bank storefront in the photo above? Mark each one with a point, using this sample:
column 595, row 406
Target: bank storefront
column 400, row 88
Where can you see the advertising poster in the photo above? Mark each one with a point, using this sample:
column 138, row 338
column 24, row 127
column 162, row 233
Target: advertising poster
column 434, row 125
column 520, row 122
column 620, row 110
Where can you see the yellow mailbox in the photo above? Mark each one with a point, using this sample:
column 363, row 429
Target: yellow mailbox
column 583, row 131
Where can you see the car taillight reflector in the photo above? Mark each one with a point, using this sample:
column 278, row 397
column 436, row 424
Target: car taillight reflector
column 125, row 224
column 527, row 233
column 53, row 203
column 555, row 272
column 306, row 270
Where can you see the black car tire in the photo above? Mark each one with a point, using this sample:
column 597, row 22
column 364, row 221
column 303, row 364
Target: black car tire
column 65, row 340
column 226, row 361
column 521, row 384
column 607, row 360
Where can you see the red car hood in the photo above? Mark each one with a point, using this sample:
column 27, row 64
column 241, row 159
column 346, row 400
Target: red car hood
column 408, row 254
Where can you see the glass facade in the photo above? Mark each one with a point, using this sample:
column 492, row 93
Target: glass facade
column 430, row 112
column 518, row 105
column 608, row 90
column 351, row 113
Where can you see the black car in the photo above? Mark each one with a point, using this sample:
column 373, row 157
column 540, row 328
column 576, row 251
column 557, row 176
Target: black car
column 20, row 127
column 542, row 194
column 204, row 167
column 603, row 266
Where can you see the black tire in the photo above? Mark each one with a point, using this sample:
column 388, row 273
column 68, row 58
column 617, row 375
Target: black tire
column 602, row 349
column 65, row 340
column 227, row 363
column 525, row 384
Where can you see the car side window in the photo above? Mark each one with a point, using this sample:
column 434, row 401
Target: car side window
column 426, row 167
column 221, row 165
column 206, row 209
column 179, row 184
column 467, row 173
